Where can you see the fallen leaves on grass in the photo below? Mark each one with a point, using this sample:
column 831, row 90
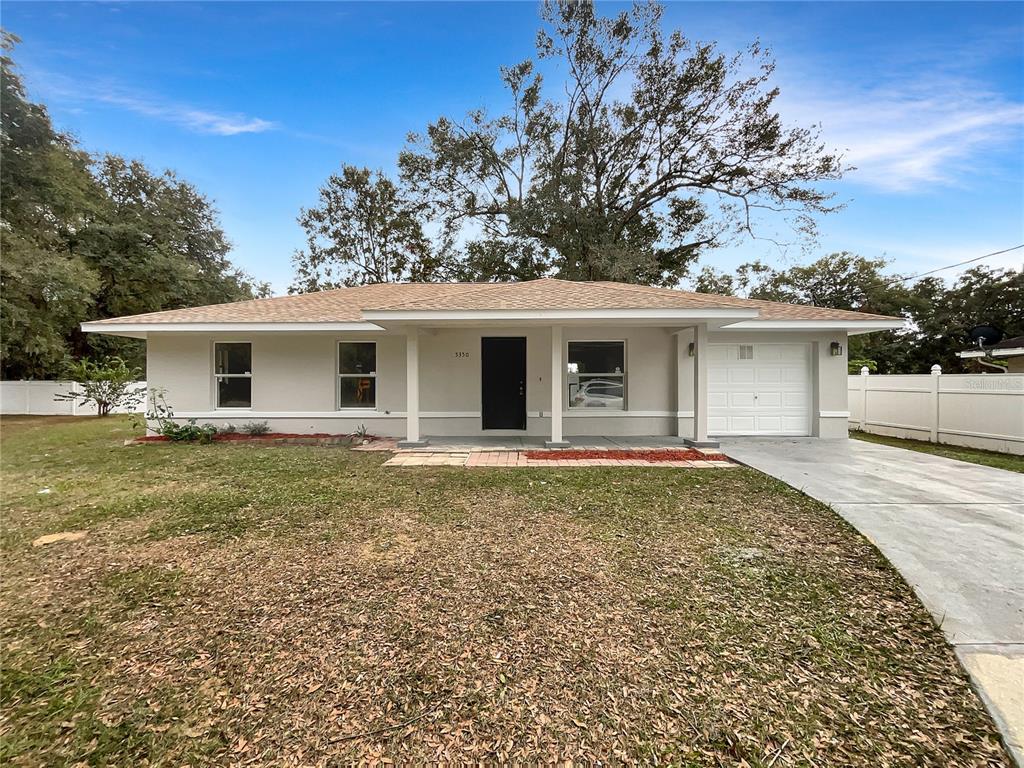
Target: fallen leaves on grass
column 355, row 616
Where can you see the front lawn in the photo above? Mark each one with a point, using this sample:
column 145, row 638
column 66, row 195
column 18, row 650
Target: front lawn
column 972, row 455
column 290, row 605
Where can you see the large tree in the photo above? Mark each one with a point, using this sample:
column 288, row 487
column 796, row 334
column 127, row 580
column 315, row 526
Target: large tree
column 939, row 315
column 158, row 245
column 86, row 238
column 363, row 230
column 659, row 148
column 48, row 197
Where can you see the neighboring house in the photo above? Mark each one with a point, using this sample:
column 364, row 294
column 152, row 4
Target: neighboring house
column 544, row 358
column 1010, row 351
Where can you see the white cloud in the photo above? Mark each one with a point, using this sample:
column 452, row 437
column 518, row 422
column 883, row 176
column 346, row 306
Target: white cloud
column 187, row 116
column 907, row 136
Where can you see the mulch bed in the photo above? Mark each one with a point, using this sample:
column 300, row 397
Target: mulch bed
column 240, row 437
column 653, row 455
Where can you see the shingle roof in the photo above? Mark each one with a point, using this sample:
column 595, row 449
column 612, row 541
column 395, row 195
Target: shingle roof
column 1012, row 343
column 348, row 304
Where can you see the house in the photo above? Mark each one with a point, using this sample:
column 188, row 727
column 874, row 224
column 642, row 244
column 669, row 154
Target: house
column 545, row 358
column 1010, row 350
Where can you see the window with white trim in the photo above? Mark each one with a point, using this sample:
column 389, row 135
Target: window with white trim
column 357, row 374
column 746, row 351
column 232, row 367
column 597, row 374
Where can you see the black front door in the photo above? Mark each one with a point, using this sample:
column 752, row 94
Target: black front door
column 503, row 374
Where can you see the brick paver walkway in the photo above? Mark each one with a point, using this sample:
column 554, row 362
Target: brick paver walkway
column 425, row 458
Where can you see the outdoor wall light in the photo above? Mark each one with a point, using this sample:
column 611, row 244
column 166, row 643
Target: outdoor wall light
column 690, row 349
column 836, row 348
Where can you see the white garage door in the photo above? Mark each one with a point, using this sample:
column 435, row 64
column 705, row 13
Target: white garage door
column 759, row 389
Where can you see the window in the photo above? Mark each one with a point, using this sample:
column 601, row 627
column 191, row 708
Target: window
column 233, row 374
column 597, row 374
column 746, row 351
column 357, row 374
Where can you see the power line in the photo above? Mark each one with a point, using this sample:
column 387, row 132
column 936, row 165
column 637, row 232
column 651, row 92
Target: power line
column 958, row 264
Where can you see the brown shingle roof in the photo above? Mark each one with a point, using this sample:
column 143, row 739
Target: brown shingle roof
column 348, row 304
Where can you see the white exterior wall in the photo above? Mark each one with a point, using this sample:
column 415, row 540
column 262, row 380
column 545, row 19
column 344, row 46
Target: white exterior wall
column 294, row 381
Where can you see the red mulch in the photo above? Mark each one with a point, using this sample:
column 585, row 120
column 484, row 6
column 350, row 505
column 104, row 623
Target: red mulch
column 652, row 455
column 219, row 438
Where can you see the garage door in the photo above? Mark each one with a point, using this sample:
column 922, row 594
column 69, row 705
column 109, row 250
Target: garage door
column 759, row 389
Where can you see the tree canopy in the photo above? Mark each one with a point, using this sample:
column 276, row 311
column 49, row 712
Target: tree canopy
column 655, row 148
column 939, row 315
column 363, row 230
column 88, row 237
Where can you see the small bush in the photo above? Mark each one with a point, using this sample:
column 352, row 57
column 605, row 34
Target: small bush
column 228, row 429
column 189, row 432
column 256, row 428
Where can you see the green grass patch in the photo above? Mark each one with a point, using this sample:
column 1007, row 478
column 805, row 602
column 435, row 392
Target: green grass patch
column 260, row 604
column 960, row 453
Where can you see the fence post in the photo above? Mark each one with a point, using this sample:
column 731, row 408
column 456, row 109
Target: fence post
column 936, row 373
column 864, row 372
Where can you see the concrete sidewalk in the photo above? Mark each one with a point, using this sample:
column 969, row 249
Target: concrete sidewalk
column 954, row 530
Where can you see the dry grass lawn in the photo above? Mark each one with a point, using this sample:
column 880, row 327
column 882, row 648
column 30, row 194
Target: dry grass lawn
column 292, row 605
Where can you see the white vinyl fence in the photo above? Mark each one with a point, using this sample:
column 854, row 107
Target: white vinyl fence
column 976, row 410
column 36, row 398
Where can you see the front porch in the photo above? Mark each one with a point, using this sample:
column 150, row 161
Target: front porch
column 551, row 392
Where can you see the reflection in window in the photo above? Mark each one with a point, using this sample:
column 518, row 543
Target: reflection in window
column 233, row 374
column 357, row 374
column 597, row 374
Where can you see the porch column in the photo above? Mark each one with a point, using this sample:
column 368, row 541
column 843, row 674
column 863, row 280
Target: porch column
column 557, row 368
column 700, row 390
column 412, row 391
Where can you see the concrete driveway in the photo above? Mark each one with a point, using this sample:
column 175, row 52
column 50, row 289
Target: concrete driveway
column 954, row 530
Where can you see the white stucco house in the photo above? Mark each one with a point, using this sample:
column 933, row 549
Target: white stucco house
column 546, row 358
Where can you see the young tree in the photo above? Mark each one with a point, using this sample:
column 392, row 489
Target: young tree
column 661, row 148
column 363, row 230
column 107, row 384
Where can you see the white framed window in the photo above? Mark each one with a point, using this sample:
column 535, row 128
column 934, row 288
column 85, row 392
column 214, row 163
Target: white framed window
column 357, row 374
column 746, row 351
column 232, row 372
column 597, row 374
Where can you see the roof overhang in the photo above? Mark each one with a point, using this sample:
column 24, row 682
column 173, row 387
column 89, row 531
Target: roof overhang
column 140, row 330
column 1008, row 352
column 1004, row 352
column 852, row 327
column 467, row 317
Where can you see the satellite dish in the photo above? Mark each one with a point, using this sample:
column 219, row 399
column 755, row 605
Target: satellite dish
column 985, row 335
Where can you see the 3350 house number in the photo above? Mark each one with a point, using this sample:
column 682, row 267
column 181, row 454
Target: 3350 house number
column 462, row 354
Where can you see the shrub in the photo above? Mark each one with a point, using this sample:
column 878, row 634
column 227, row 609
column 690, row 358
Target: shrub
column 228, row 429
column 189, row 432
column 256, row 428
column 108, row 384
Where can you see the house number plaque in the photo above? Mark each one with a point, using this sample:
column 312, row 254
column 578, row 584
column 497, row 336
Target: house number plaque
column 462, row 354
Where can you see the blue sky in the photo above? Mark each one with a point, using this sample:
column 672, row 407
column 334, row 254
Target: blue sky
column 257, row 103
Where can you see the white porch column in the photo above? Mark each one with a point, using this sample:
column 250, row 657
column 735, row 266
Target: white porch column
column 412, row 391
column 700, row 390
column 557, row 369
